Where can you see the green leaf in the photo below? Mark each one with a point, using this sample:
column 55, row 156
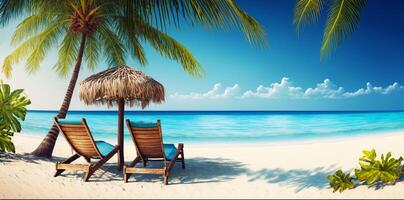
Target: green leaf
column 340, row 181
column 386, row 170
column 343, row 20
column 306, row 12
column 6, row 145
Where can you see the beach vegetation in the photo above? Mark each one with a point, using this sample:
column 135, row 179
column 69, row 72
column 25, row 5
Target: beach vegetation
column 115, row 31
column 387, row 169
column 341, row 181
column 12, row 111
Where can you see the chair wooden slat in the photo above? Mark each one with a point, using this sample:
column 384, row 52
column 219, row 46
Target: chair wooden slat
column 149, row 147
column 80, row 139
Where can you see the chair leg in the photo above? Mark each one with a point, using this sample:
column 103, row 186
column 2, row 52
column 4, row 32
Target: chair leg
column 144, row 161
column 165, row 178
column 182, row 159
column 125, row 175
column 88, row 174
column 67, row 161
column 97, row 165
column 88, row 160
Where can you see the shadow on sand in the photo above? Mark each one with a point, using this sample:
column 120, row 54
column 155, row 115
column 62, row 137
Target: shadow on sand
column 206, row 170
column 26, row 157
column 299, row 179
column 198, row 170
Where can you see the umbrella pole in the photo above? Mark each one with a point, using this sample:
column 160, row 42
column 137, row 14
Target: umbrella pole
column 121, row 108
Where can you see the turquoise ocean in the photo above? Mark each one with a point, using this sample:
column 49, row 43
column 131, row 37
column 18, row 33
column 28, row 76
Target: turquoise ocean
column 232, row 126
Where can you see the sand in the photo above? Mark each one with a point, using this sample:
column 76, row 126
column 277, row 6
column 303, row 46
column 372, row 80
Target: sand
column 272, row 170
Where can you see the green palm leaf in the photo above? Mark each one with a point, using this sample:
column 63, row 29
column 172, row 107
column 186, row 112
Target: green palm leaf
column 169, row 47
column 67, row 53
column 91, row 52
column 306, row 12
column 113, row 47
column 217, row 14
column 46, row 40
column 343, row 20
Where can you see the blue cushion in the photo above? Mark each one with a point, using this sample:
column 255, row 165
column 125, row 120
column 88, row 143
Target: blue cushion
column 66, row 121
column 170, row 150
column 143, row 125
column 104, row 147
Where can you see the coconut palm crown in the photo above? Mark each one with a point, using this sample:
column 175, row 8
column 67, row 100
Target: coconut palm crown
column 114, row 30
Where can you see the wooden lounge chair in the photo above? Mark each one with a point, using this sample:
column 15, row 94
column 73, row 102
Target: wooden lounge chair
column 149, row 146
column 80, row 139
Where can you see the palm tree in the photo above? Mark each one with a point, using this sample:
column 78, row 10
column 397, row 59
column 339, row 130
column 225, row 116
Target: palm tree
column 343, row 19
column 115, row 29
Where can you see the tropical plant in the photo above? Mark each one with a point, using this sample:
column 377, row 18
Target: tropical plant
column 341, row 181
column 114, row 30
column 386, row 170
column 12, row 111
column 343, row 19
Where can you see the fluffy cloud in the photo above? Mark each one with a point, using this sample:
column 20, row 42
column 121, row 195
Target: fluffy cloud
column 286, row 89
column 217, row 92
column 370, row 89
column 326, row 89
column 276, row 90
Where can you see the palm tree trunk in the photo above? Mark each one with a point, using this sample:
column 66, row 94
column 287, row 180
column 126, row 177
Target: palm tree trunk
column 45, row 149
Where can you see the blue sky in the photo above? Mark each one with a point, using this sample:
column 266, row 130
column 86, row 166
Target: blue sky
column 364, row 73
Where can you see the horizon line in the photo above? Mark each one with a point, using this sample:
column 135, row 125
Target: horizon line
column 50, row 110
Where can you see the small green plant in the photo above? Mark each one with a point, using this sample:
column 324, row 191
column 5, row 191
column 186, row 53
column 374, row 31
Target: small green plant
column 12, row 111
column 386, row 170
column 341, row 181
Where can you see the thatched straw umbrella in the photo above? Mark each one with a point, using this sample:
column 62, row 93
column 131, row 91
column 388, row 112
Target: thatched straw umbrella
column 117, row 86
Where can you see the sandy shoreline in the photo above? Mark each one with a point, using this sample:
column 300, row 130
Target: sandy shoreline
column 276, row 170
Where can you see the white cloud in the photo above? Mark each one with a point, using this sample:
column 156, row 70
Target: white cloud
column 326, row 89
column 378, row 90
column 286, row 89
column 217, row 92
column 276, row 90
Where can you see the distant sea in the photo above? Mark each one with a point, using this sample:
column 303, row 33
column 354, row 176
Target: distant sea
column 232, row 126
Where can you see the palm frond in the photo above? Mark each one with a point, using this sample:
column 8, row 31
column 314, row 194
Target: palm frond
column 343, row 20
column 91, row 52
column 18, row 54
column 126, row 30
column 253, row 31
column 113, row 49
column 306, row 12
column 44, row 43
column 219, row 14
column 67, row 53
column 169, row 48
column 12, row 9
column 29, row 26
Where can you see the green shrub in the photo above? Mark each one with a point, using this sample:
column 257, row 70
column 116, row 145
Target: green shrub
column 12, row 111
column 386, row 170
column 341, row 181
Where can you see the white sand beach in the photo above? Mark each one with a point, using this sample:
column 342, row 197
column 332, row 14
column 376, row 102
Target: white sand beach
column 279, row 170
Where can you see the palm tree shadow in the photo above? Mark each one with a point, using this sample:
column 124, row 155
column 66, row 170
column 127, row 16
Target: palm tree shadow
column 197, row 170
column 26, row 157
column 300, row 179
